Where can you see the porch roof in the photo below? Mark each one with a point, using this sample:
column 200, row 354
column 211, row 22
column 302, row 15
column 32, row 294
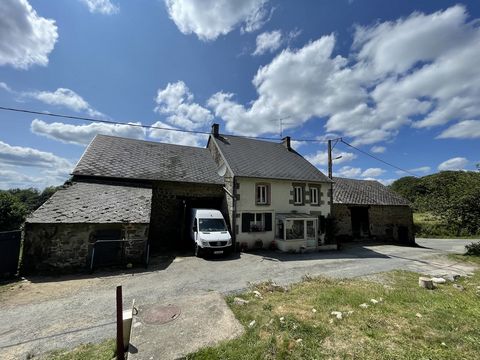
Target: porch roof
column 284, row 216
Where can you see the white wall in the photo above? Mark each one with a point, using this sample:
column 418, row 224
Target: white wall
column 279, row 203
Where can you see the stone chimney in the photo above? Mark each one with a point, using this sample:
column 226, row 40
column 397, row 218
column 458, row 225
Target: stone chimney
column 286, row 142
column 215, row 128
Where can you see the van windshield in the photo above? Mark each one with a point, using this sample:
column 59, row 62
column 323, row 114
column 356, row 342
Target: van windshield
column 212, row 225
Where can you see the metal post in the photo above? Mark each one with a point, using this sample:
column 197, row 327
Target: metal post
column 120, row 345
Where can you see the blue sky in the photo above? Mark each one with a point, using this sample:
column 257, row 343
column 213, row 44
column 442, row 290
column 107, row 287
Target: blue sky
column 396, row 78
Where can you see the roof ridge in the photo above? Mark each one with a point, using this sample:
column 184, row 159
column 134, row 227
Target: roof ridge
column 148, row 141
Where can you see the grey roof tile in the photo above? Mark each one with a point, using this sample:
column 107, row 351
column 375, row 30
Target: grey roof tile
column 364, row 192
column 116, row 157
column 95, row 203
column 266, row 159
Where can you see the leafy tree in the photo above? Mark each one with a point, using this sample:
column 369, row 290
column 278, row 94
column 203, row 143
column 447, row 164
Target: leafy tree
column 12, row 212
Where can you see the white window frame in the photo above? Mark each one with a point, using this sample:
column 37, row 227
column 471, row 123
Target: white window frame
column 260, row 223
column 298, row 195
column 314, row 199
column 258, row 194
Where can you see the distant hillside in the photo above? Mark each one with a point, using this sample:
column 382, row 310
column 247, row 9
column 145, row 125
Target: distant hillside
column 453, row 196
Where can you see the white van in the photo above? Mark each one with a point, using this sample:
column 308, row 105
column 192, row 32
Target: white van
column 209, row 232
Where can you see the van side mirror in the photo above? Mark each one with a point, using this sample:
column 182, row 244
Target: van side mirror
column 194, row 228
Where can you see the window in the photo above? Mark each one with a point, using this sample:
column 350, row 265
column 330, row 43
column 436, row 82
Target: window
column 298, row 195
column 256, row 222
column 212, row 225
column 262, row 194
column 314, row 196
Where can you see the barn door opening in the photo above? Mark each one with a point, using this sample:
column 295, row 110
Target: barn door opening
column 360, row 222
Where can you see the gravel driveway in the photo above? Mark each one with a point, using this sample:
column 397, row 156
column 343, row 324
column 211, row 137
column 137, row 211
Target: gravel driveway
column 41, row 314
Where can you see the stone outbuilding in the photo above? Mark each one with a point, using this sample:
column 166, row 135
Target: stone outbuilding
column 88, row 224
column 366, row 209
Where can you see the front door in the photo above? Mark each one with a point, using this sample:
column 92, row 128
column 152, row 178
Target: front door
column 311, row 233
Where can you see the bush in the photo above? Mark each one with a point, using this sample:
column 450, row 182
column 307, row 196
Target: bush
column 473, row 249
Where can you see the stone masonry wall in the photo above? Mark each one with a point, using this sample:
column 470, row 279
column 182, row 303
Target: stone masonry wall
column 54, row 247
column 385, row 221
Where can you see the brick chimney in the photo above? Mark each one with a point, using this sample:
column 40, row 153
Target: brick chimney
column 286, row 142
column 215, row 129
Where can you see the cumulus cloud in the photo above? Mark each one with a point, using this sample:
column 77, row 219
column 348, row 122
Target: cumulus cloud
column 66, row 98
column 176, row 137
column 348, row 171
column 456, row 163
column 25, row 156
column 176, row 101
column 418, row 71
column 105, row 7
column 320, row 158
column 83, row 134
column 372, row 172
column 209, row 19
column 268, row 42
column 378, row 149
column 467, row 129
column 26, row 38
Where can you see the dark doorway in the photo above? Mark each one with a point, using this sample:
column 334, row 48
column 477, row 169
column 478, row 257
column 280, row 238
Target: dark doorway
column 109, row 252
column 403, row 235
column 360, row 222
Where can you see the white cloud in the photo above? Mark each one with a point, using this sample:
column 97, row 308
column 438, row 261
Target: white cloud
column 66, row 98
column 348, row 171
column 26, row 39
column 105, row 7
column 457, row 163
column 5, row 87
column 378, row 149
column 418, row 71
column 467, row 129
column 176, row 101
column 268, row 42
column 176, row 137
column 25, row 156
column 372, row 172
column 83, row 134
column 209, row 19
column 320, row 158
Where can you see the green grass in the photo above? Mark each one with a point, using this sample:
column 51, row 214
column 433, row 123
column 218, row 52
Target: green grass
column 101, row 351
column 449, row 326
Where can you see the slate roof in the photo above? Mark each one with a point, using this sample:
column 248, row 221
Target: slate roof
column 364, row 192
column 266, row 159
column 116, row 157
column 95, row 203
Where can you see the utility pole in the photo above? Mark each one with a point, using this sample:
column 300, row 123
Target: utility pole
column 330, row 159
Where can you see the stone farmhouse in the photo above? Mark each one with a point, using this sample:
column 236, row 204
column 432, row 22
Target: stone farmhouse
column 128, row 198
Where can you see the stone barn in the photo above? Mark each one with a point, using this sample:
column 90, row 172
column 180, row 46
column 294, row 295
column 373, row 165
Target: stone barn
column 122, row 189
column 366, row 209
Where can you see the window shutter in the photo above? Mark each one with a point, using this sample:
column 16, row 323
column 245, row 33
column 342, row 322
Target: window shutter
column 269, row 195
column 246, row 219
column 268, row 221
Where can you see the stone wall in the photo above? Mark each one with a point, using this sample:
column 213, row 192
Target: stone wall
column 171, row 203
column 386, row 222
column 57, row 247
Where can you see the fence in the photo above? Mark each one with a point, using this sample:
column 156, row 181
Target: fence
column 10, row 242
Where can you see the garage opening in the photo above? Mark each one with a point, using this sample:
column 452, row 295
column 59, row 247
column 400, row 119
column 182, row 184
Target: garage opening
column 360, row 222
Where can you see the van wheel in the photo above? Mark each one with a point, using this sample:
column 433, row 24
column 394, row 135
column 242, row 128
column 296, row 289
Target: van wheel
column 198, row 250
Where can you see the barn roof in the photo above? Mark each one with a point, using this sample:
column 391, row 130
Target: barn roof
column 95, row 203
column 122, row 158
column 364, row 192
column 265, row 159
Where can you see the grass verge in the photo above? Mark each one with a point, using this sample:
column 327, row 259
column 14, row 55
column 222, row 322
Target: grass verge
column 408, row 322
column 428, row 225
column 101, row 351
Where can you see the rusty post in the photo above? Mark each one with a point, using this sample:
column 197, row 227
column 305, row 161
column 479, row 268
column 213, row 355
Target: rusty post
column 120, row 345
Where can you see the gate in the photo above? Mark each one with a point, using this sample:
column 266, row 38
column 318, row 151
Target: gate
column 9, row 252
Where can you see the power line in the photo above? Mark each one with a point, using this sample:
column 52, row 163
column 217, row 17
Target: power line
column 72, row 117
column 377, row 158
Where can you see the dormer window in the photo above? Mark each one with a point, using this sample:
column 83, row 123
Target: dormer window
column 262, row 196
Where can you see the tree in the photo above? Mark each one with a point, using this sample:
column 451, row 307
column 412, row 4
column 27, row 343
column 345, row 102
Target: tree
column 12, row 212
